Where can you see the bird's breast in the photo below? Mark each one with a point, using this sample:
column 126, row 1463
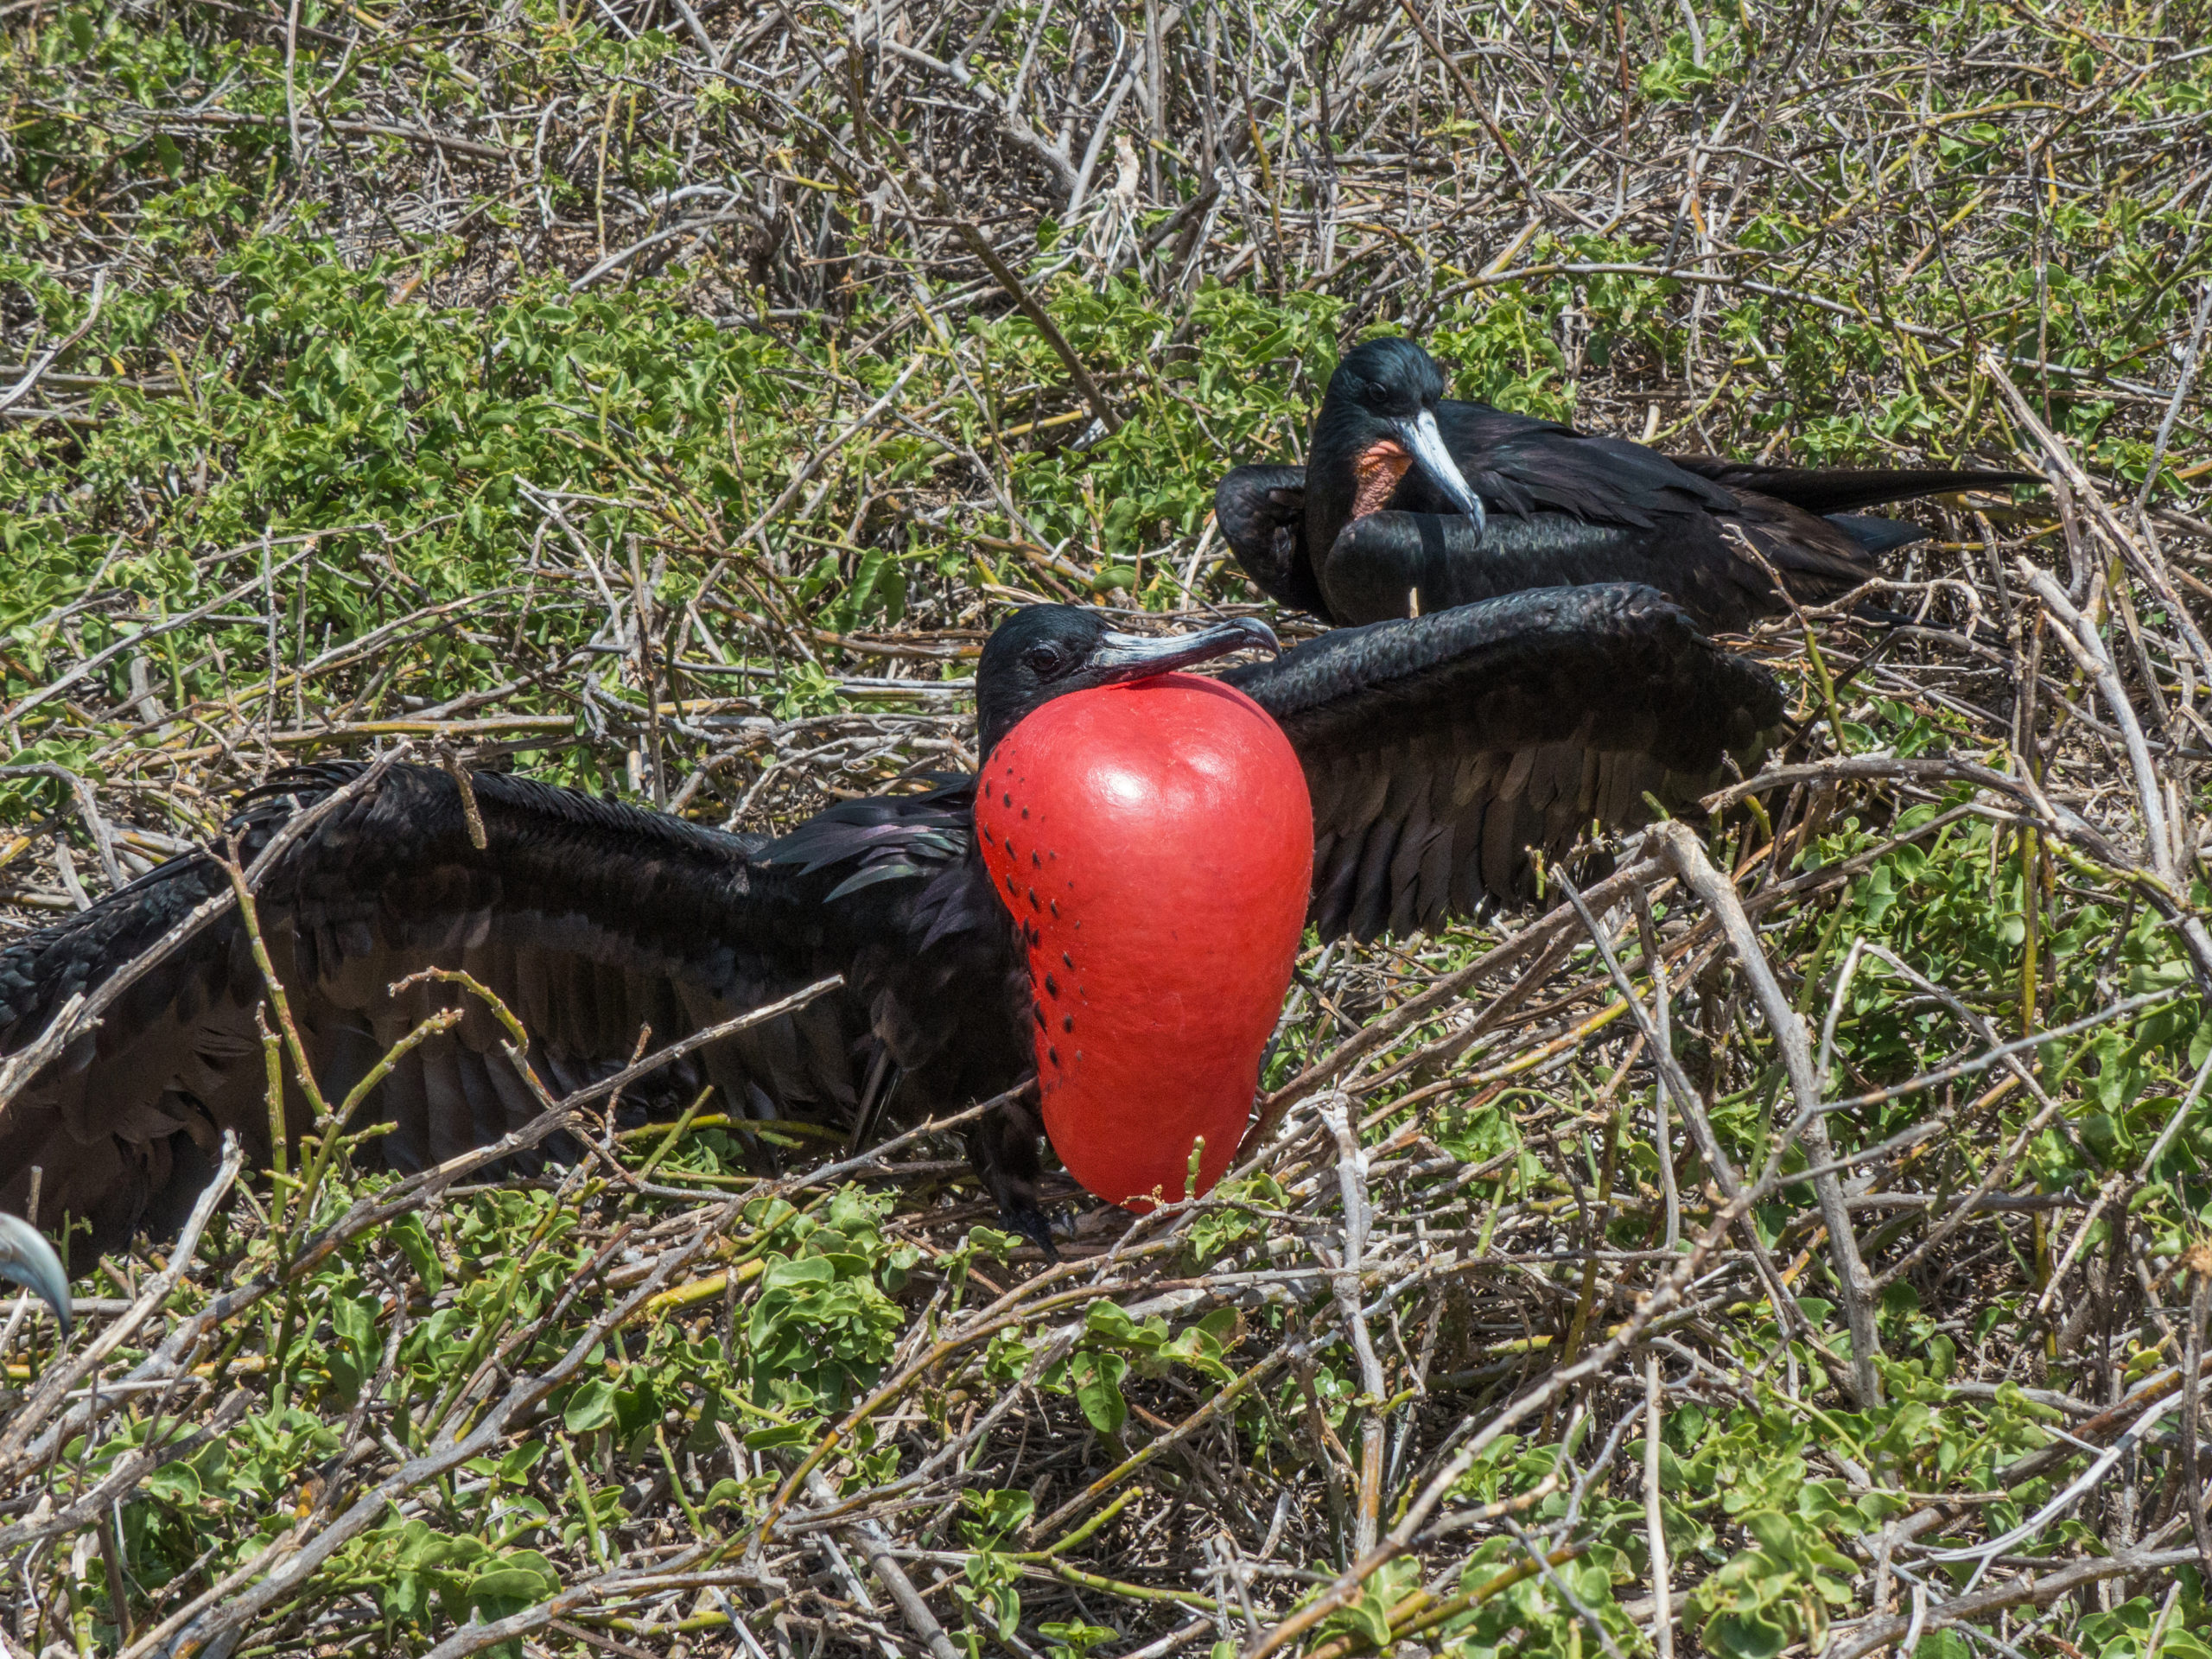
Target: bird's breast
column 1154, row 844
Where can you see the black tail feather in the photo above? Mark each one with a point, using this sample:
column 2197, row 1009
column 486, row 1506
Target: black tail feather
column 1876, row 536
column 1846, row 489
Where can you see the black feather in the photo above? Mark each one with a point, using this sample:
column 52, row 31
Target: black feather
column 1564, row 508
column 593, row 920
column 1437, row 752
column 1497, row 724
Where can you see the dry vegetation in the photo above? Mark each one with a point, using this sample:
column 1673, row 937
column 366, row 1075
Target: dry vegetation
column 665, row 396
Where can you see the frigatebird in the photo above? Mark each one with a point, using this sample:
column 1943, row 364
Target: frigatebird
column 1407, row 493
column 1437, row 753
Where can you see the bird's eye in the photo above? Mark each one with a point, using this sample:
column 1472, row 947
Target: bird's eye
column 1042, row 659
column 1378, row 394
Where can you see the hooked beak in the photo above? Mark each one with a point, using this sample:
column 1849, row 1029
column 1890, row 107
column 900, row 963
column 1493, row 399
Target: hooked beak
column 1424, row 442
column 30, row 1260
column 1122, row 657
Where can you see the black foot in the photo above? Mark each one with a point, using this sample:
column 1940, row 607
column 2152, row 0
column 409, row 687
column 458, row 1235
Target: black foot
column 1033, row 1225
column 1004, row 1148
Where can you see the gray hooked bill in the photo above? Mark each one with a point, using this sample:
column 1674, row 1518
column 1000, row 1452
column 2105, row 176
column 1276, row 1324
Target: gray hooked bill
column 27, row 1260
column 1424, row 442
column 1140, row 656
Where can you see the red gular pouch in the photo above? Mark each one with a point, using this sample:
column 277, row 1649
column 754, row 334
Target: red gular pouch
column 1156, row 842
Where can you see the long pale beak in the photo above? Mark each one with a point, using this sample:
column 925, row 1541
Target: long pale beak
column 1139, row 656
column 27, row 1260
column 1424, row 442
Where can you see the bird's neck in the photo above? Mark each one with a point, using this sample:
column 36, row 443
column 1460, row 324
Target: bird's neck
column 1378, row 469
column 1353, row 468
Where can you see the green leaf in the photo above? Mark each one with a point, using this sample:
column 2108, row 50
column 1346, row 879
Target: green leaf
column 783, row 1435
column 989, row 1241
column 413, row 1241
column 591, row 1406
column 1075, row 1636
column 508, row 1589
column 175, row 1483
column 1098, row 1390
column 998, row 1513
column 1745, row 1635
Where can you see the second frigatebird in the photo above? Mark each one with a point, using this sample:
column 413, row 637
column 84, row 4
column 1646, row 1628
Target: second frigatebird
column 1435, row 753
column 1382, row 509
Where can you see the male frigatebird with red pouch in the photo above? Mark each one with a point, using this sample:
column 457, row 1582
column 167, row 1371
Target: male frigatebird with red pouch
column 1407, row 492
column 1113, row 905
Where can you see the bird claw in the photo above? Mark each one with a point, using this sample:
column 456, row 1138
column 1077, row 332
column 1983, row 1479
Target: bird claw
column 1033, row 1225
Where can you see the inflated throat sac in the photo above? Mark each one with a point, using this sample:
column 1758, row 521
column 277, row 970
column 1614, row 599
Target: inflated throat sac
column 1154, row 842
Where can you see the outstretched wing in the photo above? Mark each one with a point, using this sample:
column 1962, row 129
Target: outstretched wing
column 1441, row 750
column 602, row 927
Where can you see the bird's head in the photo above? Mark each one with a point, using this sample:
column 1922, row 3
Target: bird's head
column 1379, row 412
column 1152, row 847
column 1047, row 650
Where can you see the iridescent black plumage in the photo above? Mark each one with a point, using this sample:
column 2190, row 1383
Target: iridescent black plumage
column 1564, row 508
column 1437, row 752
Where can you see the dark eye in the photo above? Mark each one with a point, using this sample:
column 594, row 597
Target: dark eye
column 1042, row 659
column 1378, row 394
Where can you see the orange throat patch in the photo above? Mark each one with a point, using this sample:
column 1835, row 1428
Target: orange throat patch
column 1379, row 467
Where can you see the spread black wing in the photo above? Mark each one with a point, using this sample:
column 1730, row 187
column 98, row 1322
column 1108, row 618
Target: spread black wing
column 596, row 922
column 1440, row 750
